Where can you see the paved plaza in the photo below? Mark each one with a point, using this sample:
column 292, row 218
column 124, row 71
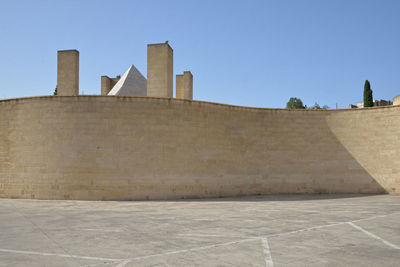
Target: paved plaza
column 293, row 230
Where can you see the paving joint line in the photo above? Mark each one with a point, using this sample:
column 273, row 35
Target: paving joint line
column 58, row 255
column 252, row 238
column 123, row 262
column 44, row 233
column 374, row 236
column 267, row 253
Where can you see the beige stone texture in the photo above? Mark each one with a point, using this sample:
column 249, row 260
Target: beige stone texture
column 68, row 72
column 396, row 100
column 105, row 85
column 179, row 86
column 159, row 148
column 108, row 83
column 188, row 85
column 159, row 70
column 184, row 86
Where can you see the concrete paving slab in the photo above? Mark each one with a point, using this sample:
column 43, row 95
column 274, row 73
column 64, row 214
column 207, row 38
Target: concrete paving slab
column 387, row 227
column 286, row 230
column 338, row 245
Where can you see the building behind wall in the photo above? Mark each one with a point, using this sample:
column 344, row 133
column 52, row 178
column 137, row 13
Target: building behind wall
column 184, row 85
column 159, row 81
column 132, row 83
column 108, row 83
column 376, row 103
column 159, row 70
column 396, row 100
column 381, row 102
column 68, row 72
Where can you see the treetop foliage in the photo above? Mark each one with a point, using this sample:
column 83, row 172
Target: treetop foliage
column 368, row 99
column 295, row 103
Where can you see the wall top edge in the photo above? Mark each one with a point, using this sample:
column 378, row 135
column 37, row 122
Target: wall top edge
column 161, row 44
column 167, row 99
column 69, row 50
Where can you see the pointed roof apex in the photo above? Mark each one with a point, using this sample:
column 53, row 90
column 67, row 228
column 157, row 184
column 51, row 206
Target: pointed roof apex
column 132, row 83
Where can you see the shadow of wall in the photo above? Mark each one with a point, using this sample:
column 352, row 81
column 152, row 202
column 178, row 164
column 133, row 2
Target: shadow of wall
column 372, row 137
column 121, row 148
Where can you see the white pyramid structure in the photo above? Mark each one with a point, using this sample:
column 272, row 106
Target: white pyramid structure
column 132, row 83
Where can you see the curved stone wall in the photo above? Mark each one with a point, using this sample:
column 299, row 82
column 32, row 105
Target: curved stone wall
column 122, row 148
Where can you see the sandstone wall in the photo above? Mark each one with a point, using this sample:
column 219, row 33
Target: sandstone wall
column 120, row 148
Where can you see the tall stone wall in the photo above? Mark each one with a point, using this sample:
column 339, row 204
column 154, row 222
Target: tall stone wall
column 6, row 112
column 157, row 148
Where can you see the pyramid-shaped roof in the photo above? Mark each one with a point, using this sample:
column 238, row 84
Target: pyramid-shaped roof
column 132, row 83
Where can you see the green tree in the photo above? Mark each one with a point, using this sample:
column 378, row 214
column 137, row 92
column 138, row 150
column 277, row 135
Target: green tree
column 368, row 99
column 295, row 103
column 55, row 91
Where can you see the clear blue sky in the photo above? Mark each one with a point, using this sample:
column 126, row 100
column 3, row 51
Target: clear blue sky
column 251, row 53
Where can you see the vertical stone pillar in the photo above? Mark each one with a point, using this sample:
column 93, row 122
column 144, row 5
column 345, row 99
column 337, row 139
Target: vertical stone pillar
column 159, row 70
column 68, row 72
column 108, row 83
column 105, row 85
column 184, row 85
column 179, row 86
column 187, row 85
